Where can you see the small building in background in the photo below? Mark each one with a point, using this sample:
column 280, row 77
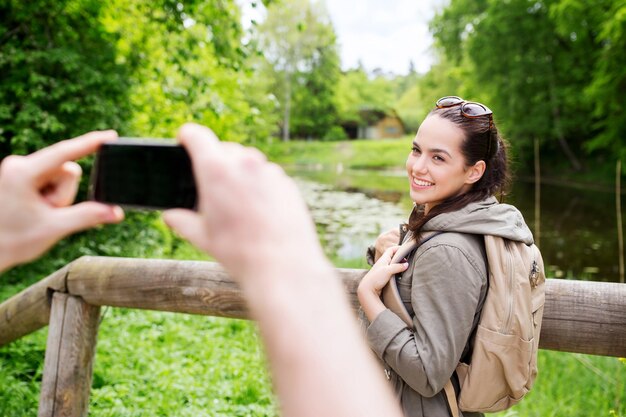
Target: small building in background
column 375, row 124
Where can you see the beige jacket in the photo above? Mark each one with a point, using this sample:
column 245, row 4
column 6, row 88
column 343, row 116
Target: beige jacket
column 443, row 289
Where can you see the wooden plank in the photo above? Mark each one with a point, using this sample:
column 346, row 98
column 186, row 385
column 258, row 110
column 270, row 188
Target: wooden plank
column 29, row 310
column 585, row 317
column 580, row 316
column 165, row 285
column 154, row 284
column 68, row 364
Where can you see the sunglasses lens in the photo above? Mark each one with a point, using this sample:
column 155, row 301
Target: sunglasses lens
column 449, row 101
column 475, row 110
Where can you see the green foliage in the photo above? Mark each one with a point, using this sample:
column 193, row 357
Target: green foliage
column 414, row 104
column 188, row 64
column 551, row 70
column 141, row 67
column 356, row 91
column 59, row 73
column 411, row 109
column 605, row 92
column 335, row 133
column 411, row 95
column 300, row 58
column 141, row 235
column 314, row 108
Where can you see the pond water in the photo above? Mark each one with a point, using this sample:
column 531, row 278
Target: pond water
column 351, row 207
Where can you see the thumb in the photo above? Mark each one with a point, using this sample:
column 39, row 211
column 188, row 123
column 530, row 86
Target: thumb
column 84, row 215
column 398, row 268
column 188, row 224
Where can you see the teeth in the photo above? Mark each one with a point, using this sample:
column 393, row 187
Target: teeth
column 422, row 183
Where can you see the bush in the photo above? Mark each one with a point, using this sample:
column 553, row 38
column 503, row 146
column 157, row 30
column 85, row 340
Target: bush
column 335, row 133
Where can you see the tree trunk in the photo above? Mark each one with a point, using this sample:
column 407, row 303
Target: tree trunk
column 556, row 114
column 287, row 107
column 537, row 194
column 618, row 212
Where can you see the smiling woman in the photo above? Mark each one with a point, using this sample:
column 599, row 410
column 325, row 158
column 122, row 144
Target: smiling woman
column 456, row 165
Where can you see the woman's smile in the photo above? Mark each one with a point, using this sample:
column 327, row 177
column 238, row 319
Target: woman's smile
column 420, row 184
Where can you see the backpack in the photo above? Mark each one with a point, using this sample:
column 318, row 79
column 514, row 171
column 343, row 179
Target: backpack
column 503, row 364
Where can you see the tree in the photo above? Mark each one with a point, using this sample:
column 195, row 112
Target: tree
column 357, row 91
column 314, row 109
column 602, row 23
column 524, row 67
column 298, row 44
column 60, row 76
column 187, row 63
column 414, row 103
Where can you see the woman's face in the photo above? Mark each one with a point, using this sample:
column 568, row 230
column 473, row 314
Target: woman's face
column 436, row 167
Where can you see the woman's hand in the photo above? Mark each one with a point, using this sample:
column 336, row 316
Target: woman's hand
column 384, row 241
column 374, row 281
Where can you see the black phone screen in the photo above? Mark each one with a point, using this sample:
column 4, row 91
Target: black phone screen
column 143, row 174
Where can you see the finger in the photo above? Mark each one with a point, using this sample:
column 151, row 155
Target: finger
column 61, row 190
column 398, row 268
column 206, row 153
column 197, row 139
column 53, row 156
column 250, row 160
column 257, row 154
column 82, row 216
column 188, row 224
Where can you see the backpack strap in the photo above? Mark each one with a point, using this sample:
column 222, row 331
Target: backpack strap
column 449, row 387
column 390, row 294
column 451, row 396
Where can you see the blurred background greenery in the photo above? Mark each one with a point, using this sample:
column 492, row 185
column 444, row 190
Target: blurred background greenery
column 553, row 72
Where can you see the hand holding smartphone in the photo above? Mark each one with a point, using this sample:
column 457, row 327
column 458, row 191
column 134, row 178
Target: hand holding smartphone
column 152, row 174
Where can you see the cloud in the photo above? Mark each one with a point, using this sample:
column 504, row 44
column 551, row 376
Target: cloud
column 386, row 35
column 380, row 34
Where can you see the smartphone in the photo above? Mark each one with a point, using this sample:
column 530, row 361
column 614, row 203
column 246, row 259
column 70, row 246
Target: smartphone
column 153, row 174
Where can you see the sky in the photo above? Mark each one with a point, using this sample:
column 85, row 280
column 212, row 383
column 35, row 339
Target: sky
column 380, row 34
column 384, row 34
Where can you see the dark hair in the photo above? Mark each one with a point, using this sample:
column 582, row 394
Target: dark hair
column 480, row 143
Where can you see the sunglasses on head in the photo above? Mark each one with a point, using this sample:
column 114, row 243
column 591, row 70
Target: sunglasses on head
column 469, row 109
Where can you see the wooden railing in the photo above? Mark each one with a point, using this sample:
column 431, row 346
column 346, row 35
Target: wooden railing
column 580, row 316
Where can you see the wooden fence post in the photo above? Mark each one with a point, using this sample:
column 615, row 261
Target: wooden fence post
column 68, row 365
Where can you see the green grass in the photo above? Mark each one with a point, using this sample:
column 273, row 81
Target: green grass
column 177, row 364
column 575, row 385
column 154, row 364
column 164, row 364
column 367, row 154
